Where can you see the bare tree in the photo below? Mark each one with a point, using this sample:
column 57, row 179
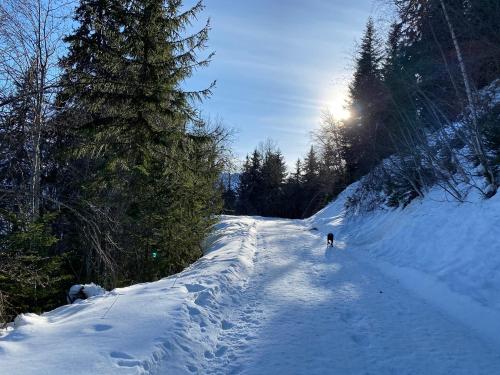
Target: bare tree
column 476, row 142
column 31, row 34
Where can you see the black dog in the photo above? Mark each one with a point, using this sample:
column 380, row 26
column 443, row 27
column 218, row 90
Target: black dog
column 329, row 239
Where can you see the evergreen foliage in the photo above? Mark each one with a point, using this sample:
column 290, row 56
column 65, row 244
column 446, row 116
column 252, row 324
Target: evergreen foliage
column 33, row 273
column 417, row 87
column 267, row 189
column 129, row 169
column 32, row 277
column 152, row 174
column 364, row 131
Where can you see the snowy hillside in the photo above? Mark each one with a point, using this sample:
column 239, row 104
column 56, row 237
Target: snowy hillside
column 413, row 291
column 447, row 252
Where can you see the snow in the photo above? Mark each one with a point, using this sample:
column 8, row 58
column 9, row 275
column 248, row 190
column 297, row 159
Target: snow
column 89, row 290
column 134, row 330
column 433, row 243
column 413, row 291
column 93, row 290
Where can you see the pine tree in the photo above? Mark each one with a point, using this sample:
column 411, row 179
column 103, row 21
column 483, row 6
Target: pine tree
column 399, row 111
column 364, row 130
column 311, row 183
column 229, row 195
column 32, row 277
column 311, row 168
column 150, row 187
column 367, row 75
column 296, row 176
column 273, row 177
column 249, row 189
column 431, row 68
column 293, row 195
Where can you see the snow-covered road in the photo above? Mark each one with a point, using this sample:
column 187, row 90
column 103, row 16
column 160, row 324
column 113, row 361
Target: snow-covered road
column 267, row 298
column 308, row 310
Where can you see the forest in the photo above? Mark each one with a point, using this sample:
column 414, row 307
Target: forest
column 109, row 173
column 424, row 111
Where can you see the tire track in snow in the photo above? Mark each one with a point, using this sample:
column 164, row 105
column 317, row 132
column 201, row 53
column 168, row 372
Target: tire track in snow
column 304, row 310
column 238, row 327
column 333, row 312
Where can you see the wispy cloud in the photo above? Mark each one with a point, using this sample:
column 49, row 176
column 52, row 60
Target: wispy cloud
column 279, row 64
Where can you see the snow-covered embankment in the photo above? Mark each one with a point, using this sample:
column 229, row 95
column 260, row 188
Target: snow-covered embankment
column 447, row 252
column 172, row 322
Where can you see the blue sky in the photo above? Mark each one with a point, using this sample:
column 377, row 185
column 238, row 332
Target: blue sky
column 278, row 65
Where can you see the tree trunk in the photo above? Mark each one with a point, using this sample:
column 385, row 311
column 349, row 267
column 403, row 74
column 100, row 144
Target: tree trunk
column 477, row 142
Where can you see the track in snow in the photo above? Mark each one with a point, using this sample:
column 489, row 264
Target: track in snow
column 307, row 310
column 267, row 298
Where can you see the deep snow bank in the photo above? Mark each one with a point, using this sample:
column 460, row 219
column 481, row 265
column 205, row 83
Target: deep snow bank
column 173, row 322
column 447, row 252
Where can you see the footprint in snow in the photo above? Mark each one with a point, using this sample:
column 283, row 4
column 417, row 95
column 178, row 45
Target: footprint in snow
column 227, row 325
column 125, row 360
column 120, row 355
column 221, row 351
column 97, row 328
column 102, row 327
column 193, row 288
column 193, row 311
column 203, row 299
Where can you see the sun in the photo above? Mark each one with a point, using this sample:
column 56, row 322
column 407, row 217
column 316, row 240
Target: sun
column 339, row 110
column 334, row 102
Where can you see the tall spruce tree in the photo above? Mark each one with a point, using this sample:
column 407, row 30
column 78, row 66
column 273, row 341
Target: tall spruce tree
column 150, row 187
column 311, row 183
column 273, row 177
column 399, row 113
column 250, row 185
column 364, row 131
column 311, row 168
column 294, row 197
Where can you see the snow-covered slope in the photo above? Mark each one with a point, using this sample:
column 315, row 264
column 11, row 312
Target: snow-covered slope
column 413, row 291
column 136, row 329
column 446, row 251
